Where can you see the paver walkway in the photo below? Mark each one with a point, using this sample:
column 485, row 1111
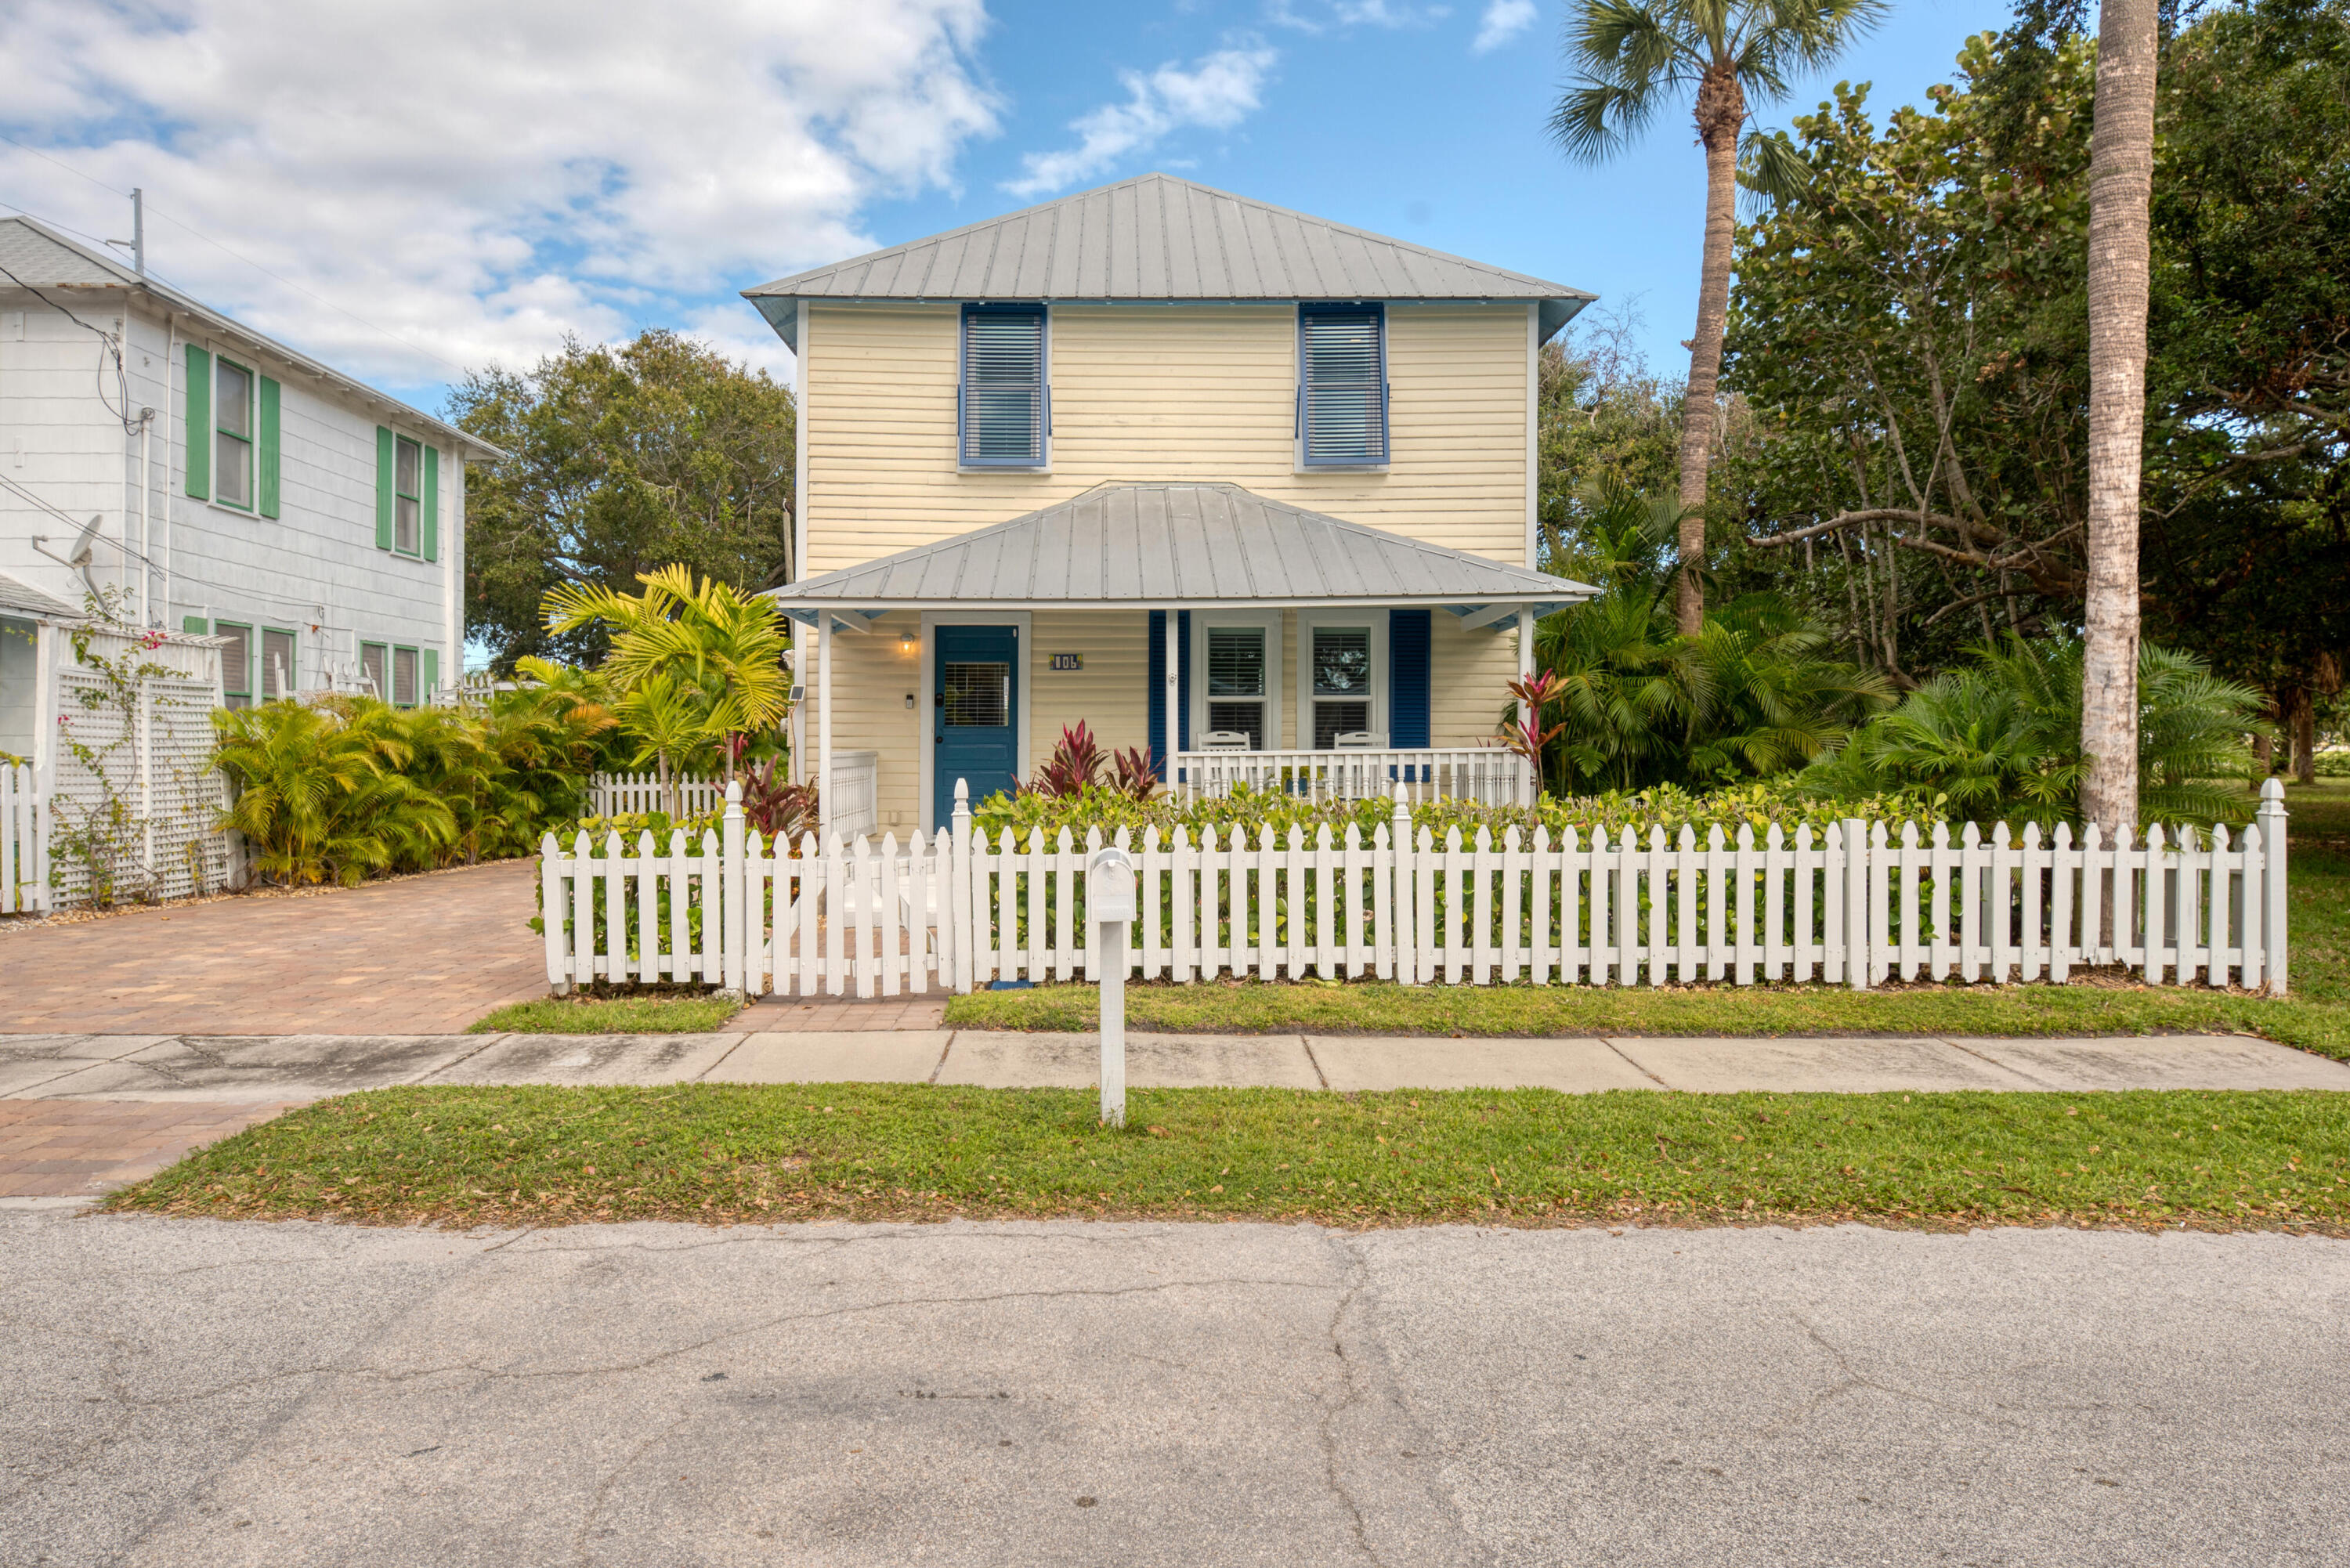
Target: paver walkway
column 248, row 1076
column 419, row 955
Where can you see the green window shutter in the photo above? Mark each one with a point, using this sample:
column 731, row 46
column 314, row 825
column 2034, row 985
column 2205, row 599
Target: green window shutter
column 432, row 499
column 383, row 460
column 199, row 432
column 269, row 454
column 431, row 658
column 195, row 624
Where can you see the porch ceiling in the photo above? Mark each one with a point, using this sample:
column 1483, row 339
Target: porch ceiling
column 1159, row 546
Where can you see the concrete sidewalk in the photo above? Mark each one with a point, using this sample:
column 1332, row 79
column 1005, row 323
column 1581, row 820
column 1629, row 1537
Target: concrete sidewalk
column 83, row 1112
column 311, row 1067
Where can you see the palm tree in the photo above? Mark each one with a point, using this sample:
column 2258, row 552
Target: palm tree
column 1629, row 57
column 723, row 652
column 2121, row 185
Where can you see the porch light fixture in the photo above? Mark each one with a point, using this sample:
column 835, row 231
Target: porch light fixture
column 908, row 643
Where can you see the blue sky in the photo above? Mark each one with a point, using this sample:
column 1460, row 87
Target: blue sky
column 518, row 169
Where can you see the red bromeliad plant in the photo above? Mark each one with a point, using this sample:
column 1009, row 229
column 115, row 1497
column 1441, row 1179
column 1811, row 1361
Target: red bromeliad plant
column 1525, row 734
column 1133, row 775
column 774, row 805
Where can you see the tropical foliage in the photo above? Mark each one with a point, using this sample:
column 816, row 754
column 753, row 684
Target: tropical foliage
column 698, row 667
column 1076, row 767
column 1999, row 739
column 349, row 787
column 621, row 460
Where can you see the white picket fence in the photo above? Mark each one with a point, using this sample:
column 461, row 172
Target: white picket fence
column 1843, row 906
column 24, row 843
column 614, row 794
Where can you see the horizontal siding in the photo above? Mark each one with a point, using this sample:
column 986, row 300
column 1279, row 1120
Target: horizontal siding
column 1155, row 393
column 1111, row 693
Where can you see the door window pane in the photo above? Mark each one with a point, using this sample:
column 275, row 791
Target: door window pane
column 977, row 695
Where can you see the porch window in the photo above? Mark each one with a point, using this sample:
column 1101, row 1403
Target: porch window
column 1342, row 386
column 1236, row 683
column 403, row 677
column 1342, row 683
column 1004, row 406
column 237, row 663
column 374, row 668
column 276, row 664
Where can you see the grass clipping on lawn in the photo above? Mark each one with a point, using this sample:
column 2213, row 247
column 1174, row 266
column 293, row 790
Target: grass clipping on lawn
column 721, row 1153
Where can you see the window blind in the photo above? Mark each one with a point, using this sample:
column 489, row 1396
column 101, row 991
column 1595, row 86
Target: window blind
column 1343, row 390
column 1004, row 418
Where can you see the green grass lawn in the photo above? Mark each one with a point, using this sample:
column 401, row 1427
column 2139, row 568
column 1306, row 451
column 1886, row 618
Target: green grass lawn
column 2315, row 1017
column 696, row 1014
column 735, row 1152
column 719, row 1152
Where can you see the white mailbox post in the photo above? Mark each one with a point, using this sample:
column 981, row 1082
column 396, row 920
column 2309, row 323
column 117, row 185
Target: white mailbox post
column 1109, row 905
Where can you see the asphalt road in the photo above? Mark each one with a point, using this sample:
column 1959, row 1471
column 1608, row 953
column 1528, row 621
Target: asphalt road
column 199, row 1393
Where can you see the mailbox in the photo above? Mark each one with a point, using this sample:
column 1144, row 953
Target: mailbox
column 1109, row 886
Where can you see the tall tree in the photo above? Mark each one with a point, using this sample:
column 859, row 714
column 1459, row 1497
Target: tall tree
column 2121, row 190
column 1632, row 57
column 657, row 452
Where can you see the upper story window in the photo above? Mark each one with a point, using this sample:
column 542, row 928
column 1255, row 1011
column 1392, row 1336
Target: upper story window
column 1342, row 386
column 408, row 497
column 1003, row 405
column 233, row 434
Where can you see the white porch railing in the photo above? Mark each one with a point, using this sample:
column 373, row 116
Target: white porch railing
column 616, row 794
column 1485, row 773
column 1843, row 906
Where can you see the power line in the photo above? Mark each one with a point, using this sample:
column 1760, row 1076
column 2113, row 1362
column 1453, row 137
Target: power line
column 191, row 228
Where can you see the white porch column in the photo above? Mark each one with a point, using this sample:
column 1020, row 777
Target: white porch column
column 824, row 720
column 1529, row 787
column 1171, row 696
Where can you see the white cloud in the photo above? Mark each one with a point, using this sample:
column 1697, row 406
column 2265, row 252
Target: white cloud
column 480, row 176
column 1217, row 93
column 1503, row 20
column 1355, row 13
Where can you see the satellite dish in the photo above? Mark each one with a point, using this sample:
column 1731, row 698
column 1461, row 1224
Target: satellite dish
column 83, row 542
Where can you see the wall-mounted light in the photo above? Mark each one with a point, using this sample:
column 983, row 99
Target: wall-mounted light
column 908, row 643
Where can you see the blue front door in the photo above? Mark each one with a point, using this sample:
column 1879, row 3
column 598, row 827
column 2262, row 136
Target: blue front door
column 975, row 714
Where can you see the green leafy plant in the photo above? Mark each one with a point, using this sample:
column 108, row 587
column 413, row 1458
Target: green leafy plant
column 322, row 792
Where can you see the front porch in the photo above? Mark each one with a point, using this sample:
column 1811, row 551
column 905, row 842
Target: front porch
column 1235, row 641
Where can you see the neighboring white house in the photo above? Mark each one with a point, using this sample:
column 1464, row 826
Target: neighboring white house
column 225, row 484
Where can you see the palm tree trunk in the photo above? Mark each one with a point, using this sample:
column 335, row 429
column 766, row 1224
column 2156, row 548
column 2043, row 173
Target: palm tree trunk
column 1720, row 109
column 668, row 788
column 2121, row 182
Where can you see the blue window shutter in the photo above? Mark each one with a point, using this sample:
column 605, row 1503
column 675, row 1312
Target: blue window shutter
column 1408, row 640
column 1343, row 384
column 1158, row 693
column 1002, row 407
column 268, row 449
column 199, row 433
column 431, row 503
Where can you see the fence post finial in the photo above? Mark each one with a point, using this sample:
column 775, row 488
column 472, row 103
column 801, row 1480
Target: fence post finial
column 960, row 900
column 2272, row 818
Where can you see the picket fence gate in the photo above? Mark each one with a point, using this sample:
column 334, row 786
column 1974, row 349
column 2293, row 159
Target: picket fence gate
column 23, row 842
column 1849, row 905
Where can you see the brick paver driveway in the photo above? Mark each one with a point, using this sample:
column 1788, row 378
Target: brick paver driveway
column 424, row 955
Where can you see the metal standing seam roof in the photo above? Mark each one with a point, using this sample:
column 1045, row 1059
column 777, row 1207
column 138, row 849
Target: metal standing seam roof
column 1149, row 546
column 42, row 258
column 1155, row 238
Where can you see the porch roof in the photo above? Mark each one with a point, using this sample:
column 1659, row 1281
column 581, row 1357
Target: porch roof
column 1175, row 545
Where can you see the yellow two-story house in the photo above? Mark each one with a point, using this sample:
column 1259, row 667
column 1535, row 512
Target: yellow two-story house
column 1250, row 490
